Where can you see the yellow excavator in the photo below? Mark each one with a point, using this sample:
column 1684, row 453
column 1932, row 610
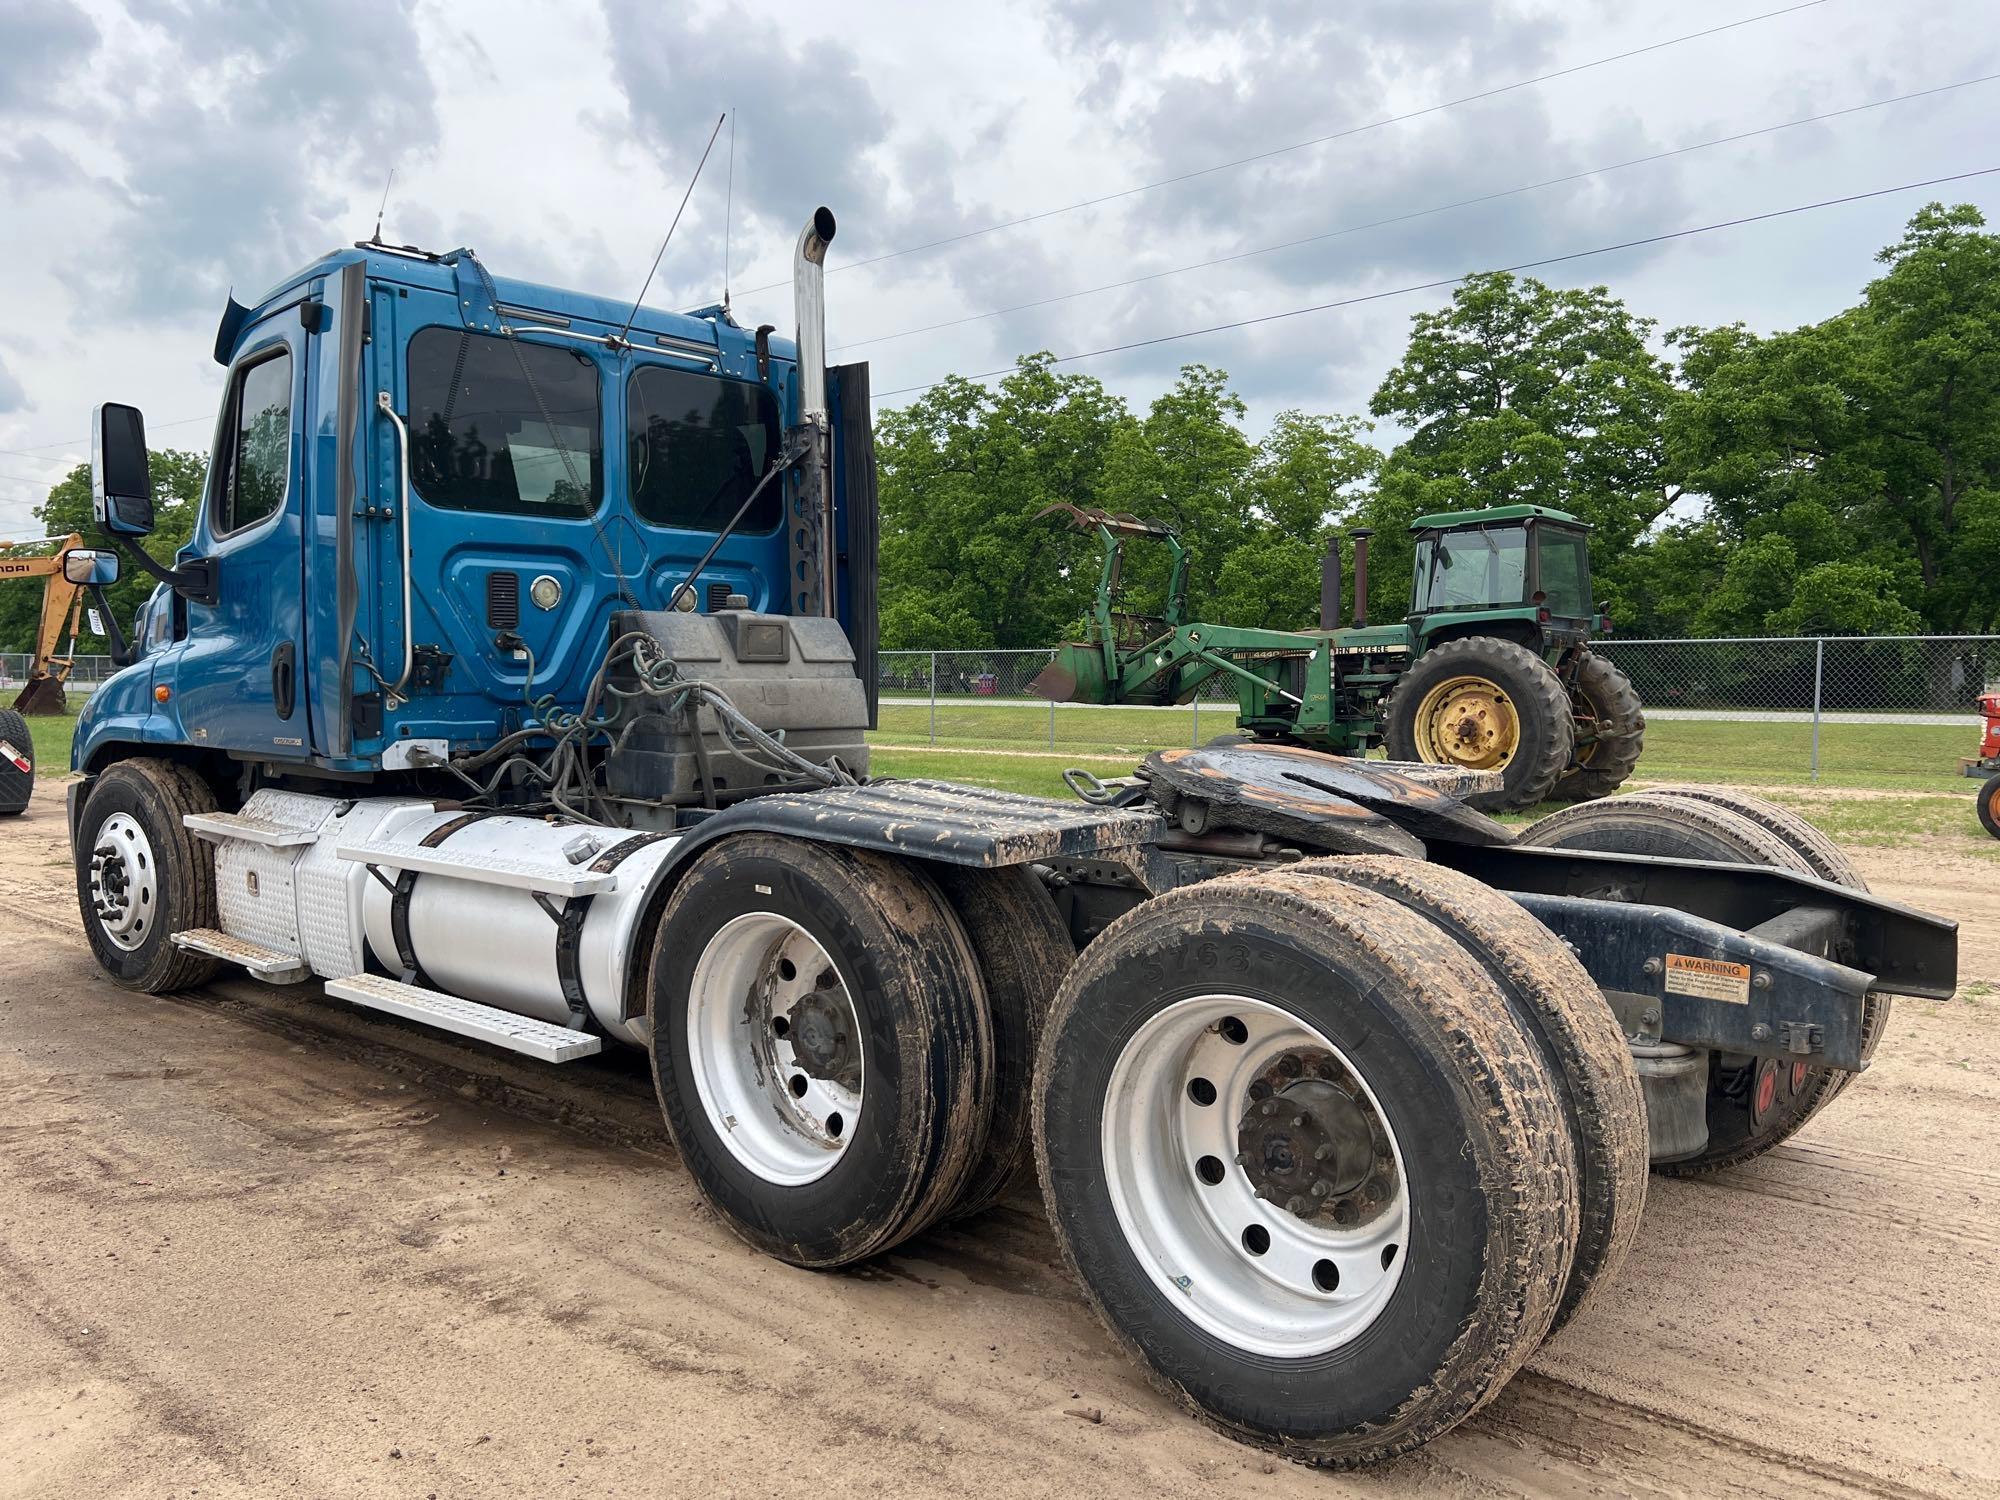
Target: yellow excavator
column 62, row 609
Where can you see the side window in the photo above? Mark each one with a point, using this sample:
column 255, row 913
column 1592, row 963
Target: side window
column 500, row 425
column 257, row 445
column 698, row 446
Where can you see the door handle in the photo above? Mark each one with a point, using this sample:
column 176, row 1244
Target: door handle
column 284, row 678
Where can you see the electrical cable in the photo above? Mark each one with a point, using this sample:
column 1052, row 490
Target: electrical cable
column 1444, row 281
column 1404, row 218
column 1318, row 140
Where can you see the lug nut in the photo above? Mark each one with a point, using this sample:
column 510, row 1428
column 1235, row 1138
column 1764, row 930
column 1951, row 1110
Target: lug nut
column 1296, row 1205
column 1270, row 1107
column 1319, row 1190
column 1321, row 1153
column 1298, row 1122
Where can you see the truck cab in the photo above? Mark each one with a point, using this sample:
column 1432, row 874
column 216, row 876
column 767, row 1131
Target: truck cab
column 430, row 491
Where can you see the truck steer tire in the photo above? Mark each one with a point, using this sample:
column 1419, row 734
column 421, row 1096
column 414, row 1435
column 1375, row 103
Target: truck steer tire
column 17, row 781
column 141, row 876
column 1023, row 950
column 1488, row 705
column 821, row 1045
column 1557, row 1003
column 1609, row 752
column 1305, row 1164
column 1753, row 1104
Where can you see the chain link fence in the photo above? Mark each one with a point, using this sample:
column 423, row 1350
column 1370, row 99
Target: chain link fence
column 1858, row 710
column 85, row 672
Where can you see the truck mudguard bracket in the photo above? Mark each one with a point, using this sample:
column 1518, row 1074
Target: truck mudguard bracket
column 1908, row 952
column 1711, row 986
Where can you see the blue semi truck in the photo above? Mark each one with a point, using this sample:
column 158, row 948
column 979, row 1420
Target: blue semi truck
column 516, row 683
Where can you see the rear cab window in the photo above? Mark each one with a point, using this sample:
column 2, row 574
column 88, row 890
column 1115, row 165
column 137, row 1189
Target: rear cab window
column 697, row 445
column 499, row 424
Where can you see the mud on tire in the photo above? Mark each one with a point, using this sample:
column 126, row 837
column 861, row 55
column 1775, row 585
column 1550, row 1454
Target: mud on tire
column 141, row 876
column 1753, row 1104
column 768, row 941
column 1556, row 1002
column 1407, row 1340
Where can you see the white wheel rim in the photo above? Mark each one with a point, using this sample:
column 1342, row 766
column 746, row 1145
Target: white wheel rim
column 124, row 881
column 1193, row 1235
column 775, row 1048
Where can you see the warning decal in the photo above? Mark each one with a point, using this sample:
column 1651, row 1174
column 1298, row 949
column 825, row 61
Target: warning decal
column 1710, row 978
column 8, row 752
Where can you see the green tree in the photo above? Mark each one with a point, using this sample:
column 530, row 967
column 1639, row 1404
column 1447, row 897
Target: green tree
column 178, row 478
column 963, row 472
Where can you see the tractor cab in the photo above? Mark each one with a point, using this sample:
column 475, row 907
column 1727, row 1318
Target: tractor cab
column 1518, row 571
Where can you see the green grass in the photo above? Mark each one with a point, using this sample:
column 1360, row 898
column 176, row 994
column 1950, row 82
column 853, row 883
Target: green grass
column 52, row 733
column 1883, row 756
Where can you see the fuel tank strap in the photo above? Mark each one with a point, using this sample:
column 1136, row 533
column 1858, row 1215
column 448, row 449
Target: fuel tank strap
column 569, row 926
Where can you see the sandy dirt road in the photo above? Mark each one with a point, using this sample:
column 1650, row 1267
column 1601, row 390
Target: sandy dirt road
column 257, row 1243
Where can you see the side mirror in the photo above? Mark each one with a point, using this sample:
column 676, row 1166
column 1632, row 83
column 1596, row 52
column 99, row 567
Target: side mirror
column 121, row 481
column 90, row 567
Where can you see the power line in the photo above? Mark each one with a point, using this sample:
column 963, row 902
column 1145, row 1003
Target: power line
column 1318, row 140
column 72, row 443
column 1403, row 218
column 1444, row 281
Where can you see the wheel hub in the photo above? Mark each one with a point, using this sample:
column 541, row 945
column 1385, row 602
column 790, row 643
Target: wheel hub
column 1467, row 721
column 123, row 881
column 820, row 1034
column 1311, row 1145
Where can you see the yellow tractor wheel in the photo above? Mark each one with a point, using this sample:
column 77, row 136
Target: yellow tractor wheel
column 1484, row 704
column 1469, row 722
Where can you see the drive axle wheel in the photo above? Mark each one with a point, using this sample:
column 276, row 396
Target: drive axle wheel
column 141, row 876
column 820, row 1044
column 1484, row 704
column 1306, row 1165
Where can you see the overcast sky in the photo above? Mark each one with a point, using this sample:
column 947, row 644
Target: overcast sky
column 157, row 153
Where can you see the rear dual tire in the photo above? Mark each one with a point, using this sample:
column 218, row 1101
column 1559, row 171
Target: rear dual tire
column 1210, row 1268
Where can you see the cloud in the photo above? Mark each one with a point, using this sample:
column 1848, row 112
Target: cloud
column 239, row 157
column 45, row 40
column 12, row 397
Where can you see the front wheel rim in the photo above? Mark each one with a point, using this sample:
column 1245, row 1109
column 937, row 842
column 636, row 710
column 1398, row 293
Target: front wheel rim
column 1468, row 722
column 775, row 1048
column 1259, row 1237
column 124, row 882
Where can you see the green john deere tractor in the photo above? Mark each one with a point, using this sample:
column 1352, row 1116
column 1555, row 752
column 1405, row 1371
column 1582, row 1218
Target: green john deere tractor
column 1490, row 671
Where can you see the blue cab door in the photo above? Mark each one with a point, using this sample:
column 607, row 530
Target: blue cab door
column 238, row 684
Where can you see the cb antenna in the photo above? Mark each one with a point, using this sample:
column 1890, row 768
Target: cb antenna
column 728, row 207
column 636, row 301
column 382, row 207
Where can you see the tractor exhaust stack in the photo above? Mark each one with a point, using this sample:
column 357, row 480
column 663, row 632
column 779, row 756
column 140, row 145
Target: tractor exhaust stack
column 1361, row 575
column 1329, row 585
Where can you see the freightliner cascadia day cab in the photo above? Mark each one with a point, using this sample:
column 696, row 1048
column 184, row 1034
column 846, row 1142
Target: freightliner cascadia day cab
column 516, row 683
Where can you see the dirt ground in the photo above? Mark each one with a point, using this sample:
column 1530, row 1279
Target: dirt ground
column 256, row 1243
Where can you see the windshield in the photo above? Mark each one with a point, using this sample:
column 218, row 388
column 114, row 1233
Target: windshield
column 1565, row 572
column 1474, row 569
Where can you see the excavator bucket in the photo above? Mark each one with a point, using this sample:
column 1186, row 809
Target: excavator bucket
column 43, row 695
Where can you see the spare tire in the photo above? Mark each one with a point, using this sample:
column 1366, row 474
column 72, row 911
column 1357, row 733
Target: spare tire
column 17, row 763
column 1484, row 704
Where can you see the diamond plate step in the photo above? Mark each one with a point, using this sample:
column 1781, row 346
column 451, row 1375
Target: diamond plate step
column 485, row 869
column 215, row 827
column 485, row 1023
column 271, row 964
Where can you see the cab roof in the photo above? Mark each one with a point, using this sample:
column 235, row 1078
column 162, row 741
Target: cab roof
column 408, row 266
column 1446, row 519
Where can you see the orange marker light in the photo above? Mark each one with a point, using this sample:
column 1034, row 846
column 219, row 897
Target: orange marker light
column 162, row 693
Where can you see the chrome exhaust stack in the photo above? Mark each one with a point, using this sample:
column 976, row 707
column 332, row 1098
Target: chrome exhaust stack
column 809, row 302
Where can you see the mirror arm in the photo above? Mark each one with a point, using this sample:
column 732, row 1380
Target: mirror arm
column 122, row 654
column 194, row 579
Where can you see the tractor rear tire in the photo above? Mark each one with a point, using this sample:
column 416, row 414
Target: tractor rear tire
column 1553, row 999
column 1603, row 693
column 1516, row 719
column 1732, row 828
column 1989, row 805
column 141, row 876
column 821, row 1045
column 17, row 781
column 1023, row 950
column 1307, row 1167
